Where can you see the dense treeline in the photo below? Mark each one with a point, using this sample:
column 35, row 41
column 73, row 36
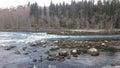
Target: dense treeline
column 103, row 14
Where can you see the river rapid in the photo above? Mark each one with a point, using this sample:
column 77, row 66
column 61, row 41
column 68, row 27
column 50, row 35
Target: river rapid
column 21, row 39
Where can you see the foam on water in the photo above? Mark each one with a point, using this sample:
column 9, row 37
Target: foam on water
column 17, row 38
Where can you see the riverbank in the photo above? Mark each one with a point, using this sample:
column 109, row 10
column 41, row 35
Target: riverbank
column 67, row 31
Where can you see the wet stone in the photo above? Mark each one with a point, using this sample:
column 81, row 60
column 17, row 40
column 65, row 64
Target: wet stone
column 76, row 55
column 54, row 47
column 43, row 46
column 47, row 52
column 34, row 60
column 35, row 51
column 9, row 47
column 33, row 44
column 26, row 53
column 61, row 58
column 93, row 52
column 63, row 53
column 43, row 42
column 17, row 52
column 56, row 42
column 51, row 57
column 68, row 57
column 24, row 48
column 74, row 52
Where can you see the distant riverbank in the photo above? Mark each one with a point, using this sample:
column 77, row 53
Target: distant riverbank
column 67, row 31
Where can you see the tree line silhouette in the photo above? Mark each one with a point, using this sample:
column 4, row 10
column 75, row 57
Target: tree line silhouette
column 85, row 14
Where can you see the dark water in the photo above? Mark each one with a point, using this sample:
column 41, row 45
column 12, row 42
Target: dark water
column 83, row 61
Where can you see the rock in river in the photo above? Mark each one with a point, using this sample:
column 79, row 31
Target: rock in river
column 17, row 52
column 63, row 53
column 54, row 47
column 56, row 42
column 93, row 52
column 51, row 57
column 34, row 60
column 74, row 51
column 8, row 47
column 43, row 42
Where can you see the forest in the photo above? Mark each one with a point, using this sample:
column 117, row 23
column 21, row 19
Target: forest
column 85, row 14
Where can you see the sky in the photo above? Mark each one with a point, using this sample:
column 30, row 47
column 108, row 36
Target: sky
column 14, row 3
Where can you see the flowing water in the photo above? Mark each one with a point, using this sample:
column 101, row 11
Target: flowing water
column 83, row 61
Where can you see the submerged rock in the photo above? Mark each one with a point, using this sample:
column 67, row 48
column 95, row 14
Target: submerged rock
column 76, row 55
column 106, row 41
column 68, row 57
column 93, row 52
column 24, row 48
column 51, row 57
column 56, row 42
column 103, row 44
column 61, row 58
column 47, row 52
column 75, row 52
column 54, row 47
column 63, row 53
column 8, row 47
column 34, row 60
column 44, row 45
column 25, row 53
column 43, row 42
column 34, row 44
column 17, row 52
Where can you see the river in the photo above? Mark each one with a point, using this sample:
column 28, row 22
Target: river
column 83, row 61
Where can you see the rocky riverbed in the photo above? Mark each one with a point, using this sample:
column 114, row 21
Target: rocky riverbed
column 62, row 54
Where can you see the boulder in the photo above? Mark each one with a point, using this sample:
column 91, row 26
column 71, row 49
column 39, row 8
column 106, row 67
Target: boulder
column 93, row 52
column 54, row 47
column 63, row 53
column 74, row 52
column 43, row 42
column 56, row 42
column 103, row 44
